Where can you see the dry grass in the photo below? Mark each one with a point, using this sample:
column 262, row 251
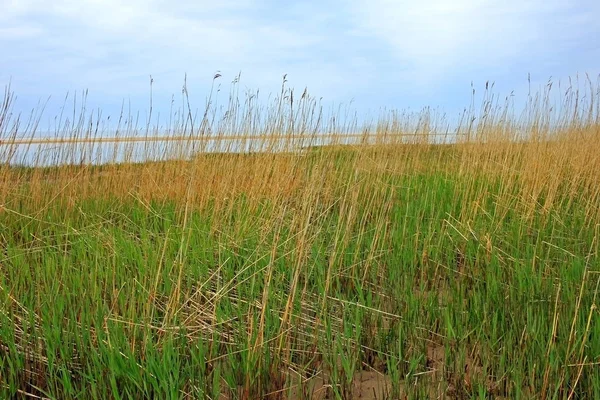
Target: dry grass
column 463, row 270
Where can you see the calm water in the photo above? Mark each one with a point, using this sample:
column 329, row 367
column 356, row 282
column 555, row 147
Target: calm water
column 52, row 153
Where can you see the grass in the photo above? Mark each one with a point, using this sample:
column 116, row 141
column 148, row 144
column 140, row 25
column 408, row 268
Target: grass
column 397, row 269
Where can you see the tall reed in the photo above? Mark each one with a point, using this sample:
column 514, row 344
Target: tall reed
column 277, row 251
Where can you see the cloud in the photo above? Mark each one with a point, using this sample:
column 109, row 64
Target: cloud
column 395, row 53
column 439, row 39
column 160, row 35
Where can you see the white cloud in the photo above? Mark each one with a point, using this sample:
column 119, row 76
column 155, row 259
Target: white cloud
column 437, row 39
column 382, row 52
column 92, row 41
column 20, row 32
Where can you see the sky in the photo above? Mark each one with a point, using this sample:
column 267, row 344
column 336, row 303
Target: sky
column 371, row 54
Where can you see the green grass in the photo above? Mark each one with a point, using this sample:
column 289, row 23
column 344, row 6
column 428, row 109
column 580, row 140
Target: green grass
column 445, row 283
column 396, row 270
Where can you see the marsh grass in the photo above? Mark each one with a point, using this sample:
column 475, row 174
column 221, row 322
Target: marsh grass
column 389, row 267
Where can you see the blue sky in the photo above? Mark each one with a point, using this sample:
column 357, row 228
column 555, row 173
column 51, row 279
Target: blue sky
column 377, row 53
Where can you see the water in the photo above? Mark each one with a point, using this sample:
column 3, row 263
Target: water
column 46, row 151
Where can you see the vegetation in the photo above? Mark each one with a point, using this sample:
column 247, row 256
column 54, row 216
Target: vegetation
column 396, row 266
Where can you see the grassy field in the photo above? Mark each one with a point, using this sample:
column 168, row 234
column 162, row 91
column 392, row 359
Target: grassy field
column 404, row 269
